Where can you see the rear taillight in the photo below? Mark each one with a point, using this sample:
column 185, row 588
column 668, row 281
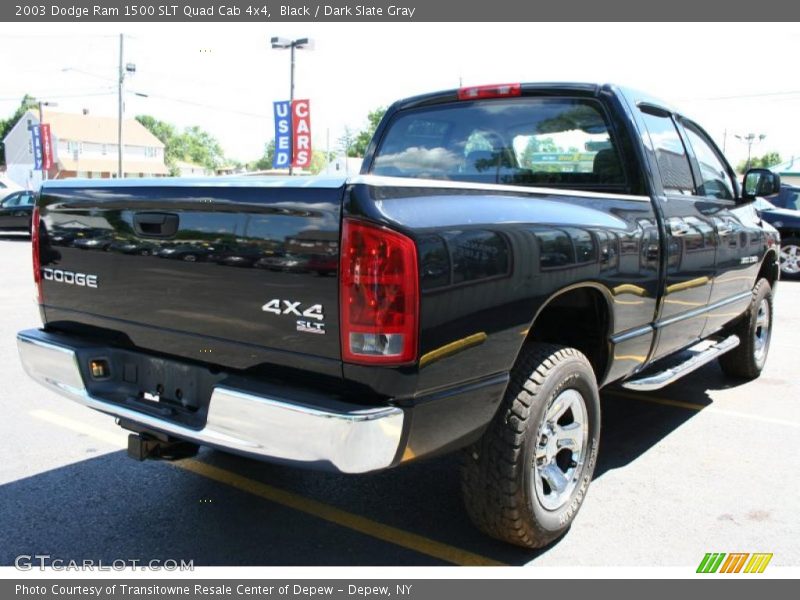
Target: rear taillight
column 378, row 295
column 498, row 90
column 37, row 265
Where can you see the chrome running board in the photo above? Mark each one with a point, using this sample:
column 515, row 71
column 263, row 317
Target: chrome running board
column 695, row 360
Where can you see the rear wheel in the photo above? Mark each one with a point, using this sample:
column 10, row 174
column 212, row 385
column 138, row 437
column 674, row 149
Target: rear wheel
column 755, row 332
column 790, row 257
column 525, row 479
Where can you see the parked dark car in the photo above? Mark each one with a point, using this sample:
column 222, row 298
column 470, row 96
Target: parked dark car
column 788, row 197
column 787, row 222
column 323, row 264
column 132, row 247
column 94, row 239
column 16, row 210
column 186, row 252
column 237, row 255
column 284, row 262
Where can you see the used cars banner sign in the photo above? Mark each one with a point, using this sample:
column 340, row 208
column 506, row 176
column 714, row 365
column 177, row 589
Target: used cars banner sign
column 36, row 144
column 47, row 146
column 301, row 133
column 283, row 135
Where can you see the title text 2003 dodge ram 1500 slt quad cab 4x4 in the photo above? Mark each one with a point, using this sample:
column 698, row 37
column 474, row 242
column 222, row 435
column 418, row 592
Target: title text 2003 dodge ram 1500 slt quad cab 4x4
column 507, row 251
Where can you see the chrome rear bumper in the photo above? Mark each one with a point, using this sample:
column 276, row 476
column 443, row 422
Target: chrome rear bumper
column 355, row 440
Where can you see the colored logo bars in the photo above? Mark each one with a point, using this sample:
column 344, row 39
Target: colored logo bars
column 734, row 562
column 292, row 134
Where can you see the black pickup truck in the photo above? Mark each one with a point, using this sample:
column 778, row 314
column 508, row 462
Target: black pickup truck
column 506, row 252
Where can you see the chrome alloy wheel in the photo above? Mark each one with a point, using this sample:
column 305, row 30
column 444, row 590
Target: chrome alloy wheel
column 790, row 259
column 560, row 449
column 763, row 330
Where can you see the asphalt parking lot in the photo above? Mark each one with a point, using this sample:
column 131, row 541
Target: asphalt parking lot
column 705, row 465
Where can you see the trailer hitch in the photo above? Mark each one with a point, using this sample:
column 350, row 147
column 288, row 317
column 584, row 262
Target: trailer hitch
column 142, row 446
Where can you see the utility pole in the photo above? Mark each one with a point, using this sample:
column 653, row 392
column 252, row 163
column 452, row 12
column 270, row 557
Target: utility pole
column 120, row 107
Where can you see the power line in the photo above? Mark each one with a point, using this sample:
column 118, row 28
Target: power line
column 210, row 106
column 178, row 100
column 56, row 95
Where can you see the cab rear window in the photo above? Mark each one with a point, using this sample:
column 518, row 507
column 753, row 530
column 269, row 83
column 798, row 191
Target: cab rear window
column 558, row 142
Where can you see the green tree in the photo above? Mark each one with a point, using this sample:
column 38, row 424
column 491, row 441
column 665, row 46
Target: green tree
column 319, row 160
column 202, row 148
column 174, row 147
column 535, row 145
column 28, row 102
column 347, row 140
column 363, row 137
column 192, row 144
column 770, row 159
column 265, row 162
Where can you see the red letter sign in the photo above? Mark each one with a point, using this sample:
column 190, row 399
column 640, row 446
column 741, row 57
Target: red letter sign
column 47, row 147
column 301, row 133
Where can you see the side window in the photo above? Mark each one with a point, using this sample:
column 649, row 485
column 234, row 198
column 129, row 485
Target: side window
column 27, row 200
column 12, row 201
column 792, row 198
column 676, row 175
column 714, row 179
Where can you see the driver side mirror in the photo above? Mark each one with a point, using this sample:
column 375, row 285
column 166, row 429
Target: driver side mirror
column 760, row 182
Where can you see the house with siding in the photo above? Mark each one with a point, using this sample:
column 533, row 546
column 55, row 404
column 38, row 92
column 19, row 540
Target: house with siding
column 84, row 145
column 789, row 171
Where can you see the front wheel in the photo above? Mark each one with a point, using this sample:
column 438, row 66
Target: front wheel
column 525, row 480
column 790, row 257
column 755, row 332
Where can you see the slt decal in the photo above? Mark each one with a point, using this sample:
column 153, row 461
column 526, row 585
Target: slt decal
column 311, row 318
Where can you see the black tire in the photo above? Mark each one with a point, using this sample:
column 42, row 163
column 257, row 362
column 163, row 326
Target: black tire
column 498, row 474
column 748, row 359
column 789, row 253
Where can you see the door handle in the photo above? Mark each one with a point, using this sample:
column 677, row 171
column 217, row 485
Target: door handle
column 724, row 229
column 679, row 228
column 153, row 224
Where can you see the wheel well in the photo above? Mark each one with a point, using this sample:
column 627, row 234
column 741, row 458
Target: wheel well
column 770, row 268
column 579, row 318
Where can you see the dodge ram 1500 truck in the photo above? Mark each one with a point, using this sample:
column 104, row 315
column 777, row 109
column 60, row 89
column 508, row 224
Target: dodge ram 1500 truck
column 506, row 252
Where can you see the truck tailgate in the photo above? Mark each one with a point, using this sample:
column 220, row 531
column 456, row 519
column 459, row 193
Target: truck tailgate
column 229, row 271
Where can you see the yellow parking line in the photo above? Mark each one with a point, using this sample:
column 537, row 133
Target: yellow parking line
column 399, row 537
column 112, row 437
column 700, row 407
column 329, row 513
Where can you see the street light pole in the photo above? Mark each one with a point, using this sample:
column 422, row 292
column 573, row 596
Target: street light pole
column 750, row 139
column 291, row 90
column 279, row 43
column 119, row 107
